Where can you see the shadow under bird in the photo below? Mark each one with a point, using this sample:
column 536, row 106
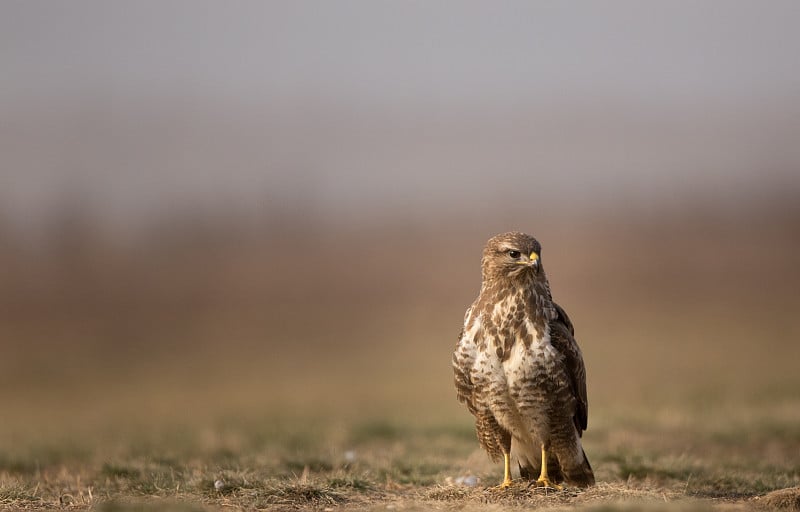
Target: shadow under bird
column 520, row 371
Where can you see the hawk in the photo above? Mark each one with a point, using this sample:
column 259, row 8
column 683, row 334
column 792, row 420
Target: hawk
column 520, row 371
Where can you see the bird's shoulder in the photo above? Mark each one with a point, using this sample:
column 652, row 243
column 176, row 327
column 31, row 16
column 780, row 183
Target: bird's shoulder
column 562, row 337
column 562, row 319
column 471, row 330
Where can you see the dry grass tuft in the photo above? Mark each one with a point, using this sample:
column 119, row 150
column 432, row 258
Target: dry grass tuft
column 19, row 495
column 299, row 495
column 783, row 499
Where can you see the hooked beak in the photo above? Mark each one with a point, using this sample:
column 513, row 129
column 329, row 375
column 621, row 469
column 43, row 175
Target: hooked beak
column 534, row 262
column 531, row 261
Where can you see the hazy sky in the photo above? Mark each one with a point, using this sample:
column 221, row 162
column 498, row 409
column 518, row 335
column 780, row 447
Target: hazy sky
column 60, row 60
column 404, row 50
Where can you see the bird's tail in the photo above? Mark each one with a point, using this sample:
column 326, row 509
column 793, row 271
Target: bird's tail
column 580, row 475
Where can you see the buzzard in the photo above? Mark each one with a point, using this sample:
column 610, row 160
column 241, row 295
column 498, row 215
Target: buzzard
column 519, row 370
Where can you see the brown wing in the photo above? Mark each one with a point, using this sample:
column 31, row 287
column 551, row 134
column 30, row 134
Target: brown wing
column 562, row 337
column 462, row 363
column 491, row 436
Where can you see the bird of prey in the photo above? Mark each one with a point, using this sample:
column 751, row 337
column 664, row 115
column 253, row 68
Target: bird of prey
column 520, row 371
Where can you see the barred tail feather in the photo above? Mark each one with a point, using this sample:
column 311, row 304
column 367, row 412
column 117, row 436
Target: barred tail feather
column 580, row 475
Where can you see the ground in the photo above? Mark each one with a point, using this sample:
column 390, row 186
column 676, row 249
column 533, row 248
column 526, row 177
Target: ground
column 694, row 457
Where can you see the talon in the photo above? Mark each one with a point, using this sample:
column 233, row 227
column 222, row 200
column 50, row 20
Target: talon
column 546, row 483
column 503, row 486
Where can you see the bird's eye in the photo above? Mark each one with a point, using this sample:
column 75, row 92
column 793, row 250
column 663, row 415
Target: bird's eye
column 514, row 254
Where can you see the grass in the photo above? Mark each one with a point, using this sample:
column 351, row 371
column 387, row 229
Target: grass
column 375, row 465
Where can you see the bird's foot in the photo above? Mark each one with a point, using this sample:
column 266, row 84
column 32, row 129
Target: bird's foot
column 547, row 484
column 505, row 485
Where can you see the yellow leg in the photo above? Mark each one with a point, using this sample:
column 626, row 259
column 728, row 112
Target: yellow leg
column 543, row 480
column 506, row 471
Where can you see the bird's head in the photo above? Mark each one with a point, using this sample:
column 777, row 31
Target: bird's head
column 512, row 255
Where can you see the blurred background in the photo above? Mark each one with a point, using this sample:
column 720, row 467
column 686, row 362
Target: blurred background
column 271, row 209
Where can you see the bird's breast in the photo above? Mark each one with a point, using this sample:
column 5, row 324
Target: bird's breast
column 524, row 360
